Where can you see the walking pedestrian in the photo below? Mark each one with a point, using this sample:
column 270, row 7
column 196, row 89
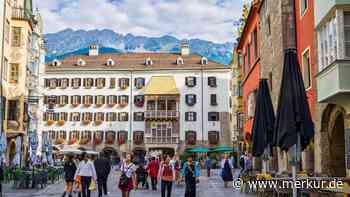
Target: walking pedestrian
column 208, row 165
column 87, row 173
column 226, row 170
column 191, row 172
column 103, row 168
column 167, row 177
column 153, row 168
column 242, row 162
column 127, row 177
column 141, row 176
column 69, row 172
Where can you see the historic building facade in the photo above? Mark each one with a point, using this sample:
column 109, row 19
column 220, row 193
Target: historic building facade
column 249, row 51
column 18, row 26
column 332, row 25
column 157, row 102
column 237, row 103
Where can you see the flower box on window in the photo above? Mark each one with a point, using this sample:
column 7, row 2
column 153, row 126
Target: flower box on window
column 50, row 122
column 84, row 141
column 87, row 105
column 60, row 122
column 72, row 141
column 110, row 138
column 86, row 122
column 111, row 105
column 59, row 141
column 98, row 122
column 99, row 105
column 97, row 141
column 75, row 104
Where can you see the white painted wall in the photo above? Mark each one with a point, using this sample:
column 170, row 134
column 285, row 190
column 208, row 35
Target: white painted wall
column 222, row 90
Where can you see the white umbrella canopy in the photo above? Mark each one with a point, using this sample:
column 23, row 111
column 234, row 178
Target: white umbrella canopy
column 3, row 146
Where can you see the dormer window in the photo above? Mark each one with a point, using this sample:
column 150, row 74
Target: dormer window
column 80, row 62
column 55, row 62
column 204, row 61
column 179, row 61
column 110, row 62
column 148, row 61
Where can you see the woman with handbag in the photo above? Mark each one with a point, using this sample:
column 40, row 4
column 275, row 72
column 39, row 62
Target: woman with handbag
column 127, row 177
column 191, row 173
column 87, row 173
column 226, row 170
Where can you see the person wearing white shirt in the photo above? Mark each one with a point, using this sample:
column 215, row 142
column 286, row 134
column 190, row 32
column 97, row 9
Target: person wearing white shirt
column 86, row 170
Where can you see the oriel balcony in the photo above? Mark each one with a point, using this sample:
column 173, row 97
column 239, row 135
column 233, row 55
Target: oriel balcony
column 333, row 83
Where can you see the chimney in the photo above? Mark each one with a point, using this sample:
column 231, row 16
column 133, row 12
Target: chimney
column 185, row 48
column 93, row 50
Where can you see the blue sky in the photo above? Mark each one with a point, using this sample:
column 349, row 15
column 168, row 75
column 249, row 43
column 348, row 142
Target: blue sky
column 205, row 19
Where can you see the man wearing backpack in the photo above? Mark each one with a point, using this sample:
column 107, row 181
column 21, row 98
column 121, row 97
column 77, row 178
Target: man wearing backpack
column 167, row 177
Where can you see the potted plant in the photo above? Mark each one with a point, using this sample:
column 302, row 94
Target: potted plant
column 99, row 105
column 86, row 122
column 97, row 141
column 98, row 122
column 75, row 104
column 50, row 122
column 60, row 122
column 59, row 141
column 72, row 141
column 87, row 105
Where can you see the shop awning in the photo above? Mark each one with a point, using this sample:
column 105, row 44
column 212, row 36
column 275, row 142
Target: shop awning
column 161, row 85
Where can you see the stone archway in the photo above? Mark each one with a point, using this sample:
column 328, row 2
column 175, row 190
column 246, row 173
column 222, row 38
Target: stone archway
column 333, row 141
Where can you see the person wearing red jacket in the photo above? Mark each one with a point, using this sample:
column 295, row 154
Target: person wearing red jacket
column 153, row 168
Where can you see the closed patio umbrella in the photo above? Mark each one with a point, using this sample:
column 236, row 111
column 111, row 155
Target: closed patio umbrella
column 294, row 126
column 34, row 146
column 293, row 118
column 17, row 159
column 264, row 120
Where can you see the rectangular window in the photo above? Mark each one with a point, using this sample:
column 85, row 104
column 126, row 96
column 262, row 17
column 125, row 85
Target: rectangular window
column 100, row 83
column 303, row 6
column 4, row 69
column 76, row 82
column 212, row 81
column 306, row 68
column 347, row 33
column 75, row 116
column 213, row 116
column 139, row 83
column 7, row 31
column 112, row 83
column 213, row 100
column 14, row 73
column 88, row 83
column 138, row 116
column 123, row 116
column 123, row 83
column 249, row 57
column 16, row 36
column 190, row 81
column 255, row 44
column 191, row 116
column 111, row 116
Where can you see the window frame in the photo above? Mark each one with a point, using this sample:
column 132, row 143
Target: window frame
column 303, row 8
column 14, row 73
column 16, row 36
column 307, row 51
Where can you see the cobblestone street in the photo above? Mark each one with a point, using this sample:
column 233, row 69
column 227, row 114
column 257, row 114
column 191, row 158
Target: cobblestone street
column 208, row 187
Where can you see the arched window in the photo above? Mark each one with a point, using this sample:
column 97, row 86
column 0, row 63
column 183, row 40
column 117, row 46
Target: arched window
column 148, row 61
column 80, row 62
column 110, row 62
column 55, row 62
column 180, row 61
column 138, row 137
column 204, row 61
column 213, row 137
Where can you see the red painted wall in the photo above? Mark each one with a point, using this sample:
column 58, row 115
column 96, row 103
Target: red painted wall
column 251, row 75
column 306, row 39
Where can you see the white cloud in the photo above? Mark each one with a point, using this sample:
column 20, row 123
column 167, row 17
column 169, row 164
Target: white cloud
column 204, row 19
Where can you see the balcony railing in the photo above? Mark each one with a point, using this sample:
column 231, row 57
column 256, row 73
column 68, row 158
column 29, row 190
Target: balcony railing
column 162, row 140
column 161, row 114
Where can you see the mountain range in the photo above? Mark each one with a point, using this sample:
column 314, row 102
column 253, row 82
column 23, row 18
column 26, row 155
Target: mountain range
column 72, row 42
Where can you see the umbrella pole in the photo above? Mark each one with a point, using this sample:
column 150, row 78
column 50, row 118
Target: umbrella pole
column 296, row 164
